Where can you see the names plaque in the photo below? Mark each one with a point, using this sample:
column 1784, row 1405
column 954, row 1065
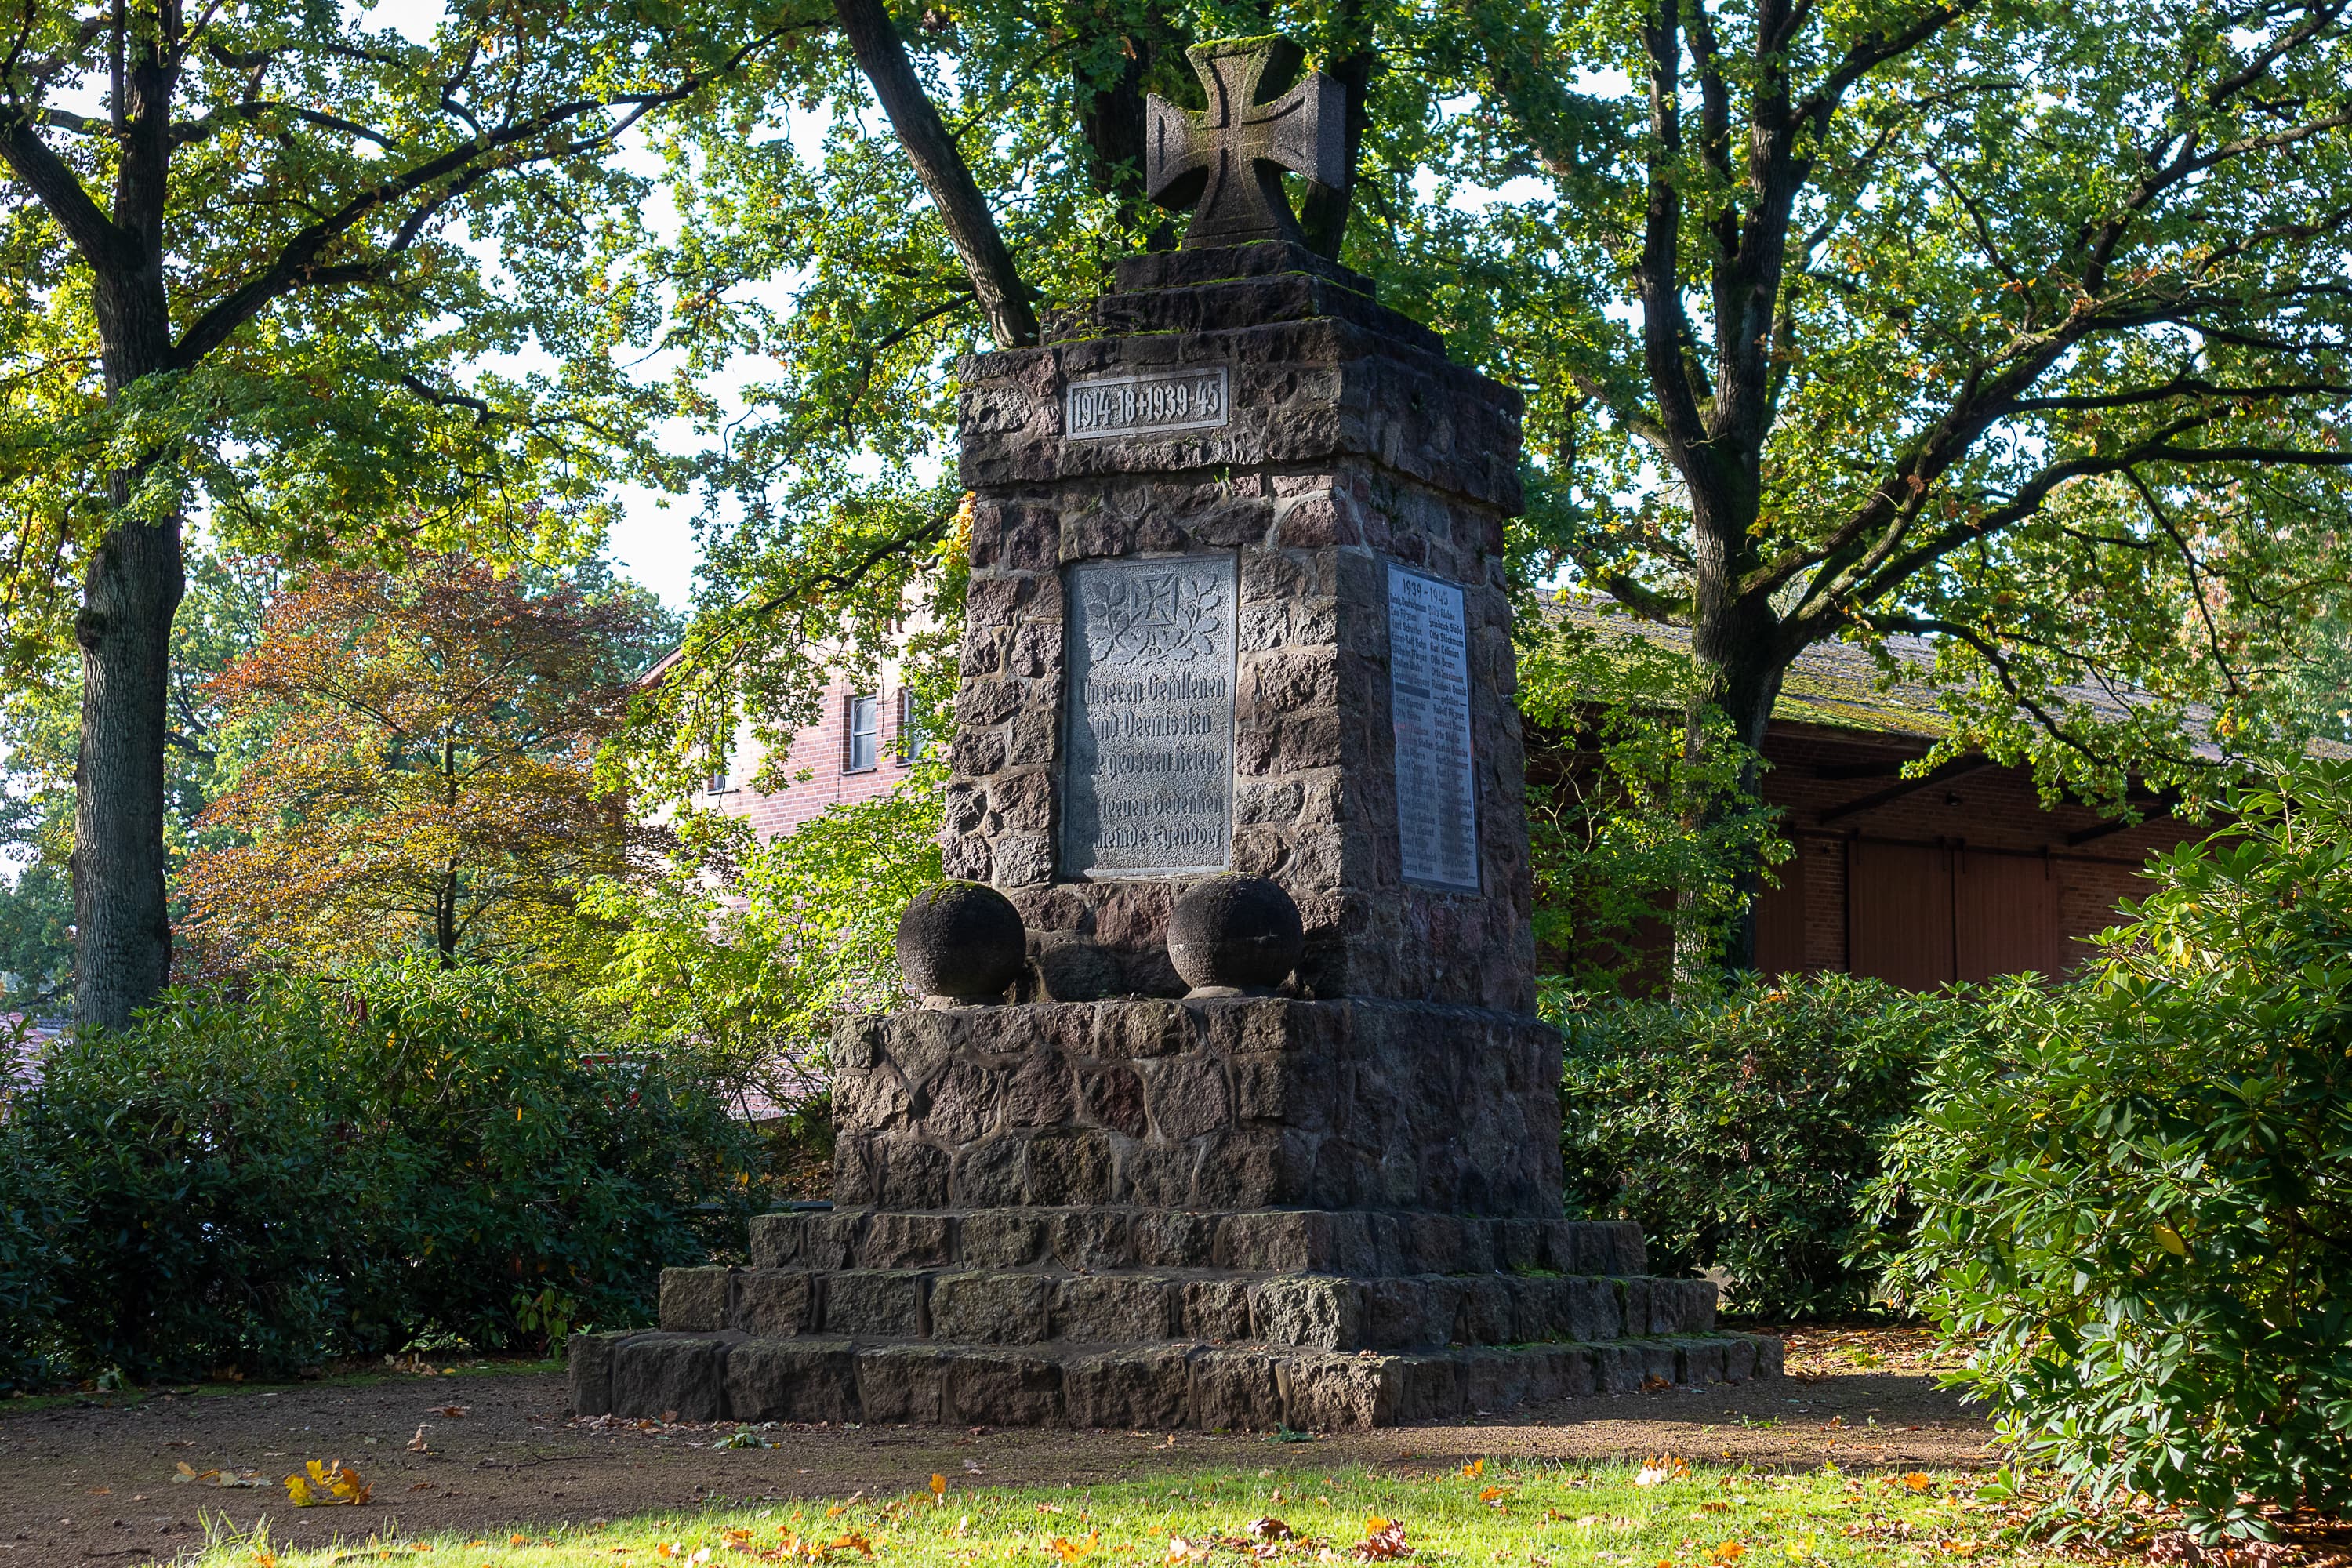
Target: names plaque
column 1146, row 404
column 1429, row 695
column 1148, row 744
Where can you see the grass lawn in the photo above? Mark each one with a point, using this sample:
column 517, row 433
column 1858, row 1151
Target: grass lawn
column 1689, row 1515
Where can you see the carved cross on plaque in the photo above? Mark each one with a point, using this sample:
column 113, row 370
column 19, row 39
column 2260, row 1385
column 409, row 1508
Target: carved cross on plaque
column 1230, row 160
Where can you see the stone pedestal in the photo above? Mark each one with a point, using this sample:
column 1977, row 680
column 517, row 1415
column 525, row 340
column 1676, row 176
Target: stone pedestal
column 1347, row 444
column 1237, row 604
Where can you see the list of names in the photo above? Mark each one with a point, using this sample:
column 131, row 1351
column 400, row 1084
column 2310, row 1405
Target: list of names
column 1428, row 684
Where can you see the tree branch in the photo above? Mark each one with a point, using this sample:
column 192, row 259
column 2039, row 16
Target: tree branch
column 299, row 262
column 940, row 165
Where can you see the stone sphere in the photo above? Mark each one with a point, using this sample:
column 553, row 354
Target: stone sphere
column 1235, row 936
column 961, row 940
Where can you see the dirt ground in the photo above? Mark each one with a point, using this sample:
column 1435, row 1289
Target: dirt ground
column 95, row 1481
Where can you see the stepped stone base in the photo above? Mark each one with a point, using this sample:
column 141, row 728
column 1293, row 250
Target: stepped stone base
column 1137, row 1317
column 733, row 1376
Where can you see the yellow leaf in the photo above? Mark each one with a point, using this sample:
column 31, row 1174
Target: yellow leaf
column 2170, row 1240
column 939, row 1486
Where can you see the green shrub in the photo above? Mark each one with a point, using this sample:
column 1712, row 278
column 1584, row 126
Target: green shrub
column 32, row 1219
column 327, row 1168
column 2137, row 1189
column 1741, row 1128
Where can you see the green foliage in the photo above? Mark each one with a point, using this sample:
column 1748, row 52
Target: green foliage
column 32, row 1215
column 37, row 953
column 1638, row 847
column 1882, row 316
column 1741, row 1125
column 1899, row 315
column 331, row 1167
column 378, row 311
column 742, row 953
column 2137, row 1189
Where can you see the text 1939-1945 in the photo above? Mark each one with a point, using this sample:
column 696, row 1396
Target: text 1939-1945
column 1147, row 403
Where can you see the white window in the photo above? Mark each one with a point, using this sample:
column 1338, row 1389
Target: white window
column 910, row 726
column 864, row 734
column 718, row 783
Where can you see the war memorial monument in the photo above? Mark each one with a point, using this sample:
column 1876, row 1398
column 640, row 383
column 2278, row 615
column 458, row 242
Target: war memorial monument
column 1227, row 1106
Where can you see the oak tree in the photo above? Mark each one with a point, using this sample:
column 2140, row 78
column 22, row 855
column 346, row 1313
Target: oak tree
column 2017, row 323
column 262, row 261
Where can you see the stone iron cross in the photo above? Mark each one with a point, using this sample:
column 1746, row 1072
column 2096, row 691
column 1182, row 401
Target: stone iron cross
column 1231, row 158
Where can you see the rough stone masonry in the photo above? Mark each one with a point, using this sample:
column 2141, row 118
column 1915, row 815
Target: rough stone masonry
column 1236, row 604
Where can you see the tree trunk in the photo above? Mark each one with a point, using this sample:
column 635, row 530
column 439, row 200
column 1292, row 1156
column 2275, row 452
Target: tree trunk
column 444, row 921
column 1738, row 672
column 1111, row 123
column 132, row 591
column 124, row 950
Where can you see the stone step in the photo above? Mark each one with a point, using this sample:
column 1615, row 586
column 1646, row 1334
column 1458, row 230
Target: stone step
column 1363, row 1242
column 1326, row 1311
column 715, row 1377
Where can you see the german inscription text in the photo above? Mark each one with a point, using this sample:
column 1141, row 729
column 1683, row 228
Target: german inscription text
column 1147, row 772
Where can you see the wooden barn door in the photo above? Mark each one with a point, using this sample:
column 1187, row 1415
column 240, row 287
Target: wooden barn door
column 1780, row 917
column 2005, row 911
column 1899, row 914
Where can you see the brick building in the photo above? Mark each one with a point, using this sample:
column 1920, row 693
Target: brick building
column 1959, row 875
column 865, row 742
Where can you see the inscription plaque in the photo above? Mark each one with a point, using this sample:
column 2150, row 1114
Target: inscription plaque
column 1429, row 695
column 1147, row 748
column 1146, row 404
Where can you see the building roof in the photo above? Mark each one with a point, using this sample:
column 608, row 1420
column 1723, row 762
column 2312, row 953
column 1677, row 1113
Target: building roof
column 1842, row 686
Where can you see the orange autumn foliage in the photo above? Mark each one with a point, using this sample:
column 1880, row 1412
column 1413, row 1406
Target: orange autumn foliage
column 427, row 780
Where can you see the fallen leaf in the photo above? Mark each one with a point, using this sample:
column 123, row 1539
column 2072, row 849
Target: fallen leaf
column 1657, row 1472
column 454, row 1412
column 417, row 1445
column 325, row 1485
column 1268, row 1529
